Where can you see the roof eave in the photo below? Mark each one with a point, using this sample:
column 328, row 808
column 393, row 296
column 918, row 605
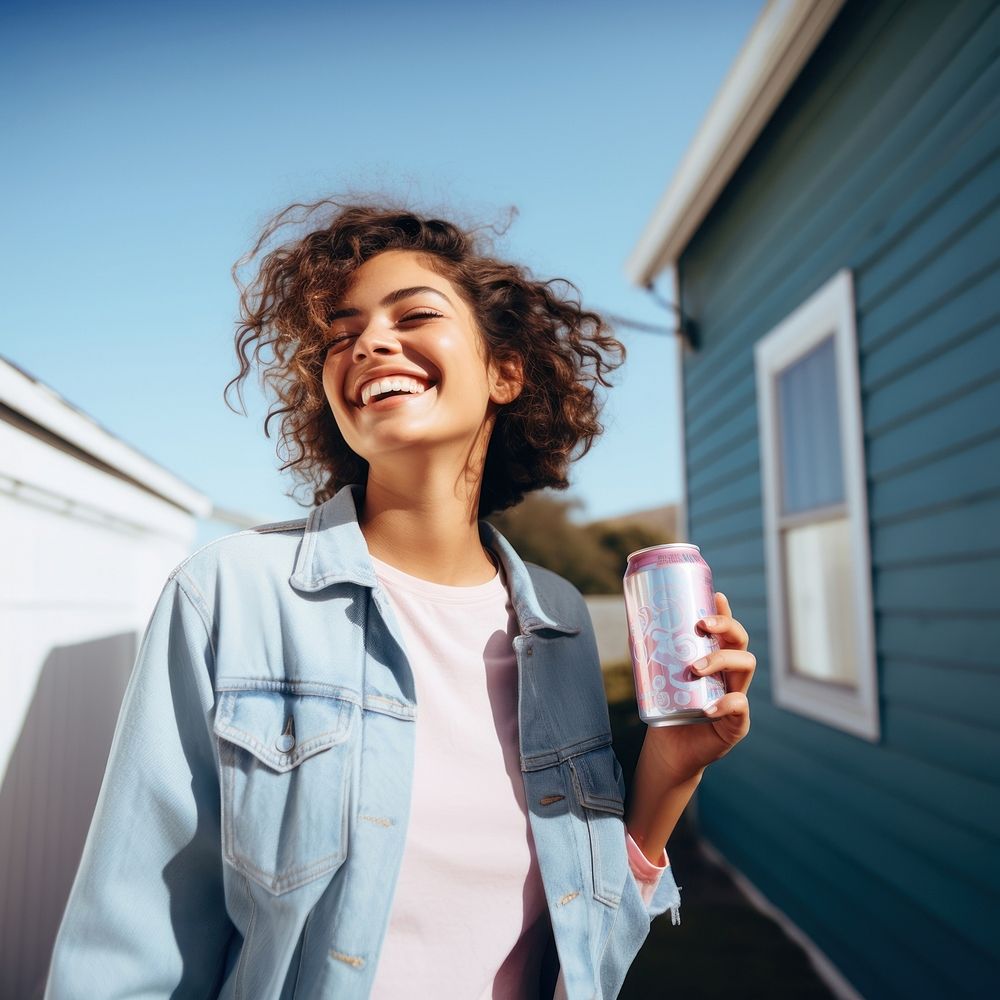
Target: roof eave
column 782, row 40
column 42, row 405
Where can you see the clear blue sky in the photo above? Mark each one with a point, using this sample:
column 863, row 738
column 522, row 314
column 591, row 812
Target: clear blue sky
column 147, row 143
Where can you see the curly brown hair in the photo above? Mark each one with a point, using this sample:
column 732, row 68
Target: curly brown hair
column 564, row 351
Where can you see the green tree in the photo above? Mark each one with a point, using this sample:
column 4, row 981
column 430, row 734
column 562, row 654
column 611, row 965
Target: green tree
column 540, row 529
column 592, row 556
column 619, row 540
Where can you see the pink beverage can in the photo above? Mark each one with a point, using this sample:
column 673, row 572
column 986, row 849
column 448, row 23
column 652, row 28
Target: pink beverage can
column 668, row 588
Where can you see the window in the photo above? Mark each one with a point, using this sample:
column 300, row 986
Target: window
column 820, row 619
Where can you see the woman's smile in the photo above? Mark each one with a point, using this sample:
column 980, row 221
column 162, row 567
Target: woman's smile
column 379, row 387
column 397, row 400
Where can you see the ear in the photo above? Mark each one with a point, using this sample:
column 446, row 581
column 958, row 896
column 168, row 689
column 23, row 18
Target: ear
column 506, row 381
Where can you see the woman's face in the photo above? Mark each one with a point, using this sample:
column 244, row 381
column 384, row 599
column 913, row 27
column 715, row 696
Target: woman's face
column 406, row 367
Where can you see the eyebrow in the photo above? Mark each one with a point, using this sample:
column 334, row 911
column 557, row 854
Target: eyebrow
column 390, row 300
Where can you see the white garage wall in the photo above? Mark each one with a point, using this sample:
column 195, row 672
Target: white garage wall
column 84, row 554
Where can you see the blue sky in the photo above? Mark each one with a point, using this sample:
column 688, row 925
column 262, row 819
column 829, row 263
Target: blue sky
column 148, row 143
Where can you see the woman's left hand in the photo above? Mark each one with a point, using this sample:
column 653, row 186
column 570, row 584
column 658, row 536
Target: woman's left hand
column 684, row 751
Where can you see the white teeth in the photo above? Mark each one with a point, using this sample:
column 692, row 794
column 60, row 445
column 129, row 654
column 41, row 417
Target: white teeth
column 396, row 383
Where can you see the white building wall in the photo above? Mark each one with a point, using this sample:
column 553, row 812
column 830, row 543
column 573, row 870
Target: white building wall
column 607, row 613
column 84, row 554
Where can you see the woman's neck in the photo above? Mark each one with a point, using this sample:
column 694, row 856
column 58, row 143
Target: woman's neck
column 430, row 531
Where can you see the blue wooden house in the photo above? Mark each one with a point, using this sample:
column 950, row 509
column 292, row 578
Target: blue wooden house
column 832, row 238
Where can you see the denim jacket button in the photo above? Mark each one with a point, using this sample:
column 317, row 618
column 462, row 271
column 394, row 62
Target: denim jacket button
column 286, row 740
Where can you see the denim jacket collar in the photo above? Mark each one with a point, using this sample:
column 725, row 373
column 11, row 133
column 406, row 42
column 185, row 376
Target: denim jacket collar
column 334, row 550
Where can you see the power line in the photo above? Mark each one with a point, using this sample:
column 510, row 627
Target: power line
column 635, row 324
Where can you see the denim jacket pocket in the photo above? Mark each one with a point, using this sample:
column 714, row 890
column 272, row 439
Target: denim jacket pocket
column 285, row 782
column 596, row 781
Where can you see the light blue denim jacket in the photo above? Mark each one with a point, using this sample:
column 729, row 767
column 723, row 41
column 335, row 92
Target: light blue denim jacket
column 250, row 827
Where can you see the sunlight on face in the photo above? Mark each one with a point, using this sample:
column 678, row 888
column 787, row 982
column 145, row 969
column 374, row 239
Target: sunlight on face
column 406, row 369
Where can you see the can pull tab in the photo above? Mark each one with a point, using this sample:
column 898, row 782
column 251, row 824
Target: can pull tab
column 286, row 740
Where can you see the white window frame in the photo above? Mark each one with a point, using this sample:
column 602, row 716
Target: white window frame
column 829, row 311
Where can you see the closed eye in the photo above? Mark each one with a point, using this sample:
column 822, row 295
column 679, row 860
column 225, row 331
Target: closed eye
column 342, row 339
column 339, row 341
column 420, row 315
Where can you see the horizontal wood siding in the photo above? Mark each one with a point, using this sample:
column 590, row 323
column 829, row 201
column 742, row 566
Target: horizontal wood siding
column 884, row 158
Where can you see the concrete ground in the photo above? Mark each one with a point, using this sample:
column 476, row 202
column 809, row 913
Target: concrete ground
column 723, row 947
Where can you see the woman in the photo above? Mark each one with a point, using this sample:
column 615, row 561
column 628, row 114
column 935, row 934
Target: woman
column 368, row 753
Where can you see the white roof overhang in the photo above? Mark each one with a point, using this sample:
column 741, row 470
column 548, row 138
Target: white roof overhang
column 785, row 35
column 46, row 409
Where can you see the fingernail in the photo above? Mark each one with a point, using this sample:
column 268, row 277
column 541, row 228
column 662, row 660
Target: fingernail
column 712, row 709
column 710, row 620
column 699, row 665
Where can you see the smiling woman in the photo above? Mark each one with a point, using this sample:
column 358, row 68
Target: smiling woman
column 298, row 305
column 368, row 753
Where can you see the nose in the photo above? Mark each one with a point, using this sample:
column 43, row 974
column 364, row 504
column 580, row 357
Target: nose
column 375, row 339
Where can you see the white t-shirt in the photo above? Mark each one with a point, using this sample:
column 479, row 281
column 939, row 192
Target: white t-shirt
column 468, row 920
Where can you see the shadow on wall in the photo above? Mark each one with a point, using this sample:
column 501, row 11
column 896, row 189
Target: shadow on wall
column 48, row 796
